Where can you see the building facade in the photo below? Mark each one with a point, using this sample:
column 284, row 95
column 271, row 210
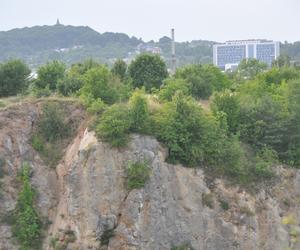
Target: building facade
column 230, row 54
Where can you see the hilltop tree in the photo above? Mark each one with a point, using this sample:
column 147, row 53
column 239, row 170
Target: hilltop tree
column 13, row 77
column 148, row 71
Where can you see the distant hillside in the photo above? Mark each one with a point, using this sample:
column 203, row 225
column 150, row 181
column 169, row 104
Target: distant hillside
column 39, row 44
column 68, row 43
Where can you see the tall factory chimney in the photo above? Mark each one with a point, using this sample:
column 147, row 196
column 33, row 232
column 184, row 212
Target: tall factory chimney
column 173, row 51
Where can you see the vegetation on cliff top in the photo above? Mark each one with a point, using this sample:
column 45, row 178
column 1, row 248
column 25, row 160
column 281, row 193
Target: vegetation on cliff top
column 252, row 123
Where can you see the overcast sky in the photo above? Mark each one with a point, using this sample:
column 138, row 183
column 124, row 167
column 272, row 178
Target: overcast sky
column 217, row 20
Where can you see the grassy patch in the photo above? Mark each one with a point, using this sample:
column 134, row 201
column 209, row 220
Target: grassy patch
column 224, row 205
column 2, row 104
column 182, row 247
column 246, row 210
column 138, row 174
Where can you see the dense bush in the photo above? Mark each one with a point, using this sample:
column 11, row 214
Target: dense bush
column 193, row 137
column 139, row 112
column 114, row 125
column 100, row 83
column 27, row 225
column 119, row 69
column 170, row 87
column 50, row 74
column 51, row 134
column 249, row 68
column 138, row 174
column 51, row 125
column 148, row 71
column 228, row 103
column 69, row 85
column 14, row 76
column 203, row 80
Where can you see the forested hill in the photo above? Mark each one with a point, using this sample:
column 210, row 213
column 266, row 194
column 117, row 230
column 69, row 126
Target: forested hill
column 39, row 44
column 68, row 43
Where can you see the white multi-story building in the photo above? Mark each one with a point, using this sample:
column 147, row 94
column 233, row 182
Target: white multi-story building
column 231, row 53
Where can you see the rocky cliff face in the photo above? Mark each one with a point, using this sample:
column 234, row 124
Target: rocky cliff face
column 86, row 196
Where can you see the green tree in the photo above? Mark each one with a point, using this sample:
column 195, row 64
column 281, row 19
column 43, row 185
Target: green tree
column 99, row 83
column 248, row 69
column 228, row 103
column 203, row 79
column 170, row 87
column 50, row 74
column 148, row 71
column 27, row 226
column 119, row 69
column 13, row 77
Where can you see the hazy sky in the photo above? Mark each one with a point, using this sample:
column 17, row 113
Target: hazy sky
column 217, row 20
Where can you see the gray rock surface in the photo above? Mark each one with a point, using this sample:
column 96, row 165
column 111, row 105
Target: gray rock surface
column 169, row 211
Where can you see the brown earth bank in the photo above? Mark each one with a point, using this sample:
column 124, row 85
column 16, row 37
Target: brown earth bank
column 84, row 199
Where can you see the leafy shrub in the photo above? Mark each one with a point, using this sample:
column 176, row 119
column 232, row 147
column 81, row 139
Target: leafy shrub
column 264, row 161
column 96, row 107
column 40, row 92
column 50, row 74
column 51, row 134
column 27, row 225
column 99, row 83
column 139, row 111
column 193, row 137
column 51, row 125
column 114, row 125
column 170, row 87
column 37, row 143
column 69, row 85
column 208, row 200
column 138, row 174
column 228, row 103
column 203, row 79
column 119, row 69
